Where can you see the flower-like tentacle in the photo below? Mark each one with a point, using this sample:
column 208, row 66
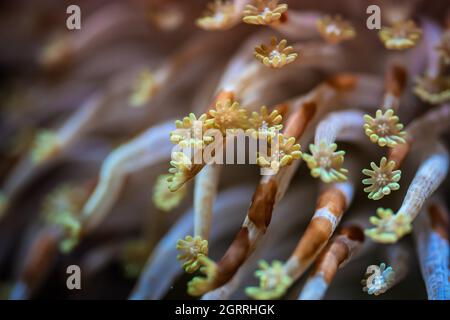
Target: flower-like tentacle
column 62, row 208
column 144, row 89
column 200, row 285
column 275, row 55
column 228, row 115
column 46, row 145
column 402, row 35
column 389, row 227
column 182, row 170
column 433, row 90
column 264, row 12
column 3, row 203
column 163, row 198
column 335, row 29
column 190, row 131
column 219, row 15
column 384, row 129
column 382, row 179
column 265, row 125
column 273, row 281
column 282, row 152
column 192, row 248
column 325, row 162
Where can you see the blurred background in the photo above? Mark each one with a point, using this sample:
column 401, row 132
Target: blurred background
column 49, row 73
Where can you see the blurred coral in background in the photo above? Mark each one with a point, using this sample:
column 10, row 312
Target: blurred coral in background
column 93, row 171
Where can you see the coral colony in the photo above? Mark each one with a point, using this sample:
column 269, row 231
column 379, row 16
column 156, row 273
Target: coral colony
column 238, row 149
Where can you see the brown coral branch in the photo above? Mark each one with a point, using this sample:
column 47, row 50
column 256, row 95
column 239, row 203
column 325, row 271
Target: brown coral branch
column 39, row 260
column 271, row 188
column 421, row 131
column 389, row 227
column 338, row 252
column 395, row 79
column 431, row 238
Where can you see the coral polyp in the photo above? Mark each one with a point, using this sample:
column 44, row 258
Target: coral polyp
column 224, row 150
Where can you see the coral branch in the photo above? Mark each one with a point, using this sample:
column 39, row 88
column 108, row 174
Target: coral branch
column 421, row 131
column 162, row 267
column 338, row 252
column 147, row 149
column 395, row 79
column 271, row 189
column 391, row 227
column 325, row 162
column 431, row 236
column 331, row 205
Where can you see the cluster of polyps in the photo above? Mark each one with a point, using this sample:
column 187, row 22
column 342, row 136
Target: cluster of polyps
column 205, row 135
column 341, row 120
